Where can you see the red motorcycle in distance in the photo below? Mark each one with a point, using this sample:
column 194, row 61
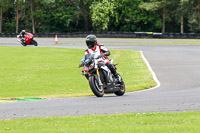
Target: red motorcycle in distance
column 27, row 39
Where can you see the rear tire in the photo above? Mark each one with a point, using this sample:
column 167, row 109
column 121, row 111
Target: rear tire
column 122, row 89
column 34, row 42
column 95, row 87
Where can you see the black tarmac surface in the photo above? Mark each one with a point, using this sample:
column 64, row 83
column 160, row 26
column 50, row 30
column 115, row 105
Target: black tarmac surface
column 177, row 67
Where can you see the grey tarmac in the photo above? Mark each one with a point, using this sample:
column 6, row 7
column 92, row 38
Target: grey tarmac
column 176, row 66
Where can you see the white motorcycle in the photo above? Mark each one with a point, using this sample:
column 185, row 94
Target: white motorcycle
column 100, row 78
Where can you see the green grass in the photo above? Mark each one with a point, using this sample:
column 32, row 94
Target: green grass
column 54, row 72
column 187, row 122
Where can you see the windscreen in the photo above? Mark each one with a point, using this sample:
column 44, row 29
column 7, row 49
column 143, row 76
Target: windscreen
column 88, row 58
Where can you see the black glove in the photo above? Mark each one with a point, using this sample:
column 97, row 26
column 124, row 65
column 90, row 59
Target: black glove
column 101, row 55
column 80, row 65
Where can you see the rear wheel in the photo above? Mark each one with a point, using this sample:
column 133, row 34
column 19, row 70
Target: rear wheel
column 95, row 87
column 121, row 90
column 34, row 42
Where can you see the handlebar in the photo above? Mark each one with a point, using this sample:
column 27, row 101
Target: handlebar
column 99, row 56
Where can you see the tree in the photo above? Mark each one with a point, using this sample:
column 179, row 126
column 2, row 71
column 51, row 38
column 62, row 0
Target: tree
column 3, row 5
column 19, row 7
column 82, row 11
column 32, row 16
column 1, row 18
column 129, row 17
column 155, row 5
column 55, row 16
column 181, row 12
column 194, row 16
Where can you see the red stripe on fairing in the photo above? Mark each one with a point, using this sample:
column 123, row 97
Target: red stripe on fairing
column 88, row 51
column 107, row 62
column 100, row 49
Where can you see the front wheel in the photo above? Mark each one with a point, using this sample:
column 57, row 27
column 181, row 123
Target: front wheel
column 23, row 44
column 95, row 87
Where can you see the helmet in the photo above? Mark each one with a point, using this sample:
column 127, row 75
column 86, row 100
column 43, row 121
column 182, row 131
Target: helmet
column 91, row 41
column 23, row 32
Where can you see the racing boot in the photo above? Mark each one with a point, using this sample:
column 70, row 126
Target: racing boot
column 113, row 70
column 118, row 77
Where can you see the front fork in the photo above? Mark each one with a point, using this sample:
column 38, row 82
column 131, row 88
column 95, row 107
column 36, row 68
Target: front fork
column 100, row 83
column 97, row 77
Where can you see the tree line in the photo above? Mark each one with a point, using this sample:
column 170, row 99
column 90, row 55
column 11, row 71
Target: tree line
column 60, row 16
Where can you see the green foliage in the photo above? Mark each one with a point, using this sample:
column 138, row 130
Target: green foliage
column 129, row 17
column 48, row 1
column 193, row 22
column 101, row 15
column 54, row 18
column 194, row 16
column 150, row 6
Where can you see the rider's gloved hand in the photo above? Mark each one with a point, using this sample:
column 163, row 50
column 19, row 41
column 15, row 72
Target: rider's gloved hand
column 101, row 55
column 80, row 65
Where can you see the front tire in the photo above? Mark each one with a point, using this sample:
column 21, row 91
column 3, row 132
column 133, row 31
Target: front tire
column 95, row 87
column 23, row 43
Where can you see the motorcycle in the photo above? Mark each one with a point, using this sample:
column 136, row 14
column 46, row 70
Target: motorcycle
column 100, row 78
column 27, row 40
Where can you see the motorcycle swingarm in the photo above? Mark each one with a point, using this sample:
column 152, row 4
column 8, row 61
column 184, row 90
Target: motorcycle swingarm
column 110, row 90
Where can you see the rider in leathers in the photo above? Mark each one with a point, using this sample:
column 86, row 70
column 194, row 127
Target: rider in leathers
column 101, row 50
column 22, row 34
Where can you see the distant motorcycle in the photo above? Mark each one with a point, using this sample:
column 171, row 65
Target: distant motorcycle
column 100, row 78
column 27, row 40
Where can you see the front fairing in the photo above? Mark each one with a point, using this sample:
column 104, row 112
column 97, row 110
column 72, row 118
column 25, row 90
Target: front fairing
column 88, row 59
column 89, row 63
column 28, row 37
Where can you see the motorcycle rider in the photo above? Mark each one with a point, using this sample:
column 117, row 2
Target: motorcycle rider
column 22, row 34
column 96, row 48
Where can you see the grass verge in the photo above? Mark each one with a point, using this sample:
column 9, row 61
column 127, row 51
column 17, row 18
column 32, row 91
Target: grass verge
column 53, row 72
column 187, row 122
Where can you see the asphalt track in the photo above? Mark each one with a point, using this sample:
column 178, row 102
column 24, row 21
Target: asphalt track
column 177, row 67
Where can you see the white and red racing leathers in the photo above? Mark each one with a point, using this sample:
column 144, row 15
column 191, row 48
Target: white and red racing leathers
column 99, row 50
